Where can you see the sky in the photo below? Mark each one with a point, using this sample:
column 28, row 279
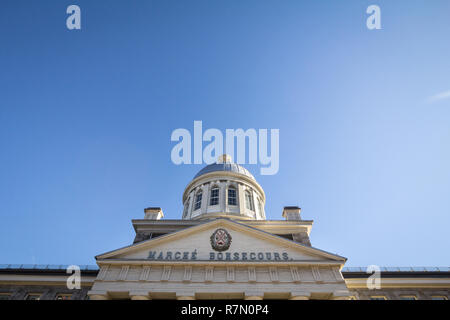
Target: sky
column 86, row 118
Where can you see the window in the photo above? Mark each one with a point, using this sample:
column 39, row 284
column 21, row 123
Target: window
column 198, row 201
column 64, row 297
column 438, row 298
column 378, row 298
column 33, row 296
column 249, row 201
column 214, row 199
column 232, row 201
column 408, row 298
column 4, row 296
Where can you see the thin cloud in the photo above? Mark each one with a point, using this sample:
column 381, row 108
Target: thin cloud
column 439, row 96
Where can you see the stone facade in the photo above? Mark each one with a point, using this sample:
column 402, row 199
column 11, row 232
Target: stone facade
column 19, row 283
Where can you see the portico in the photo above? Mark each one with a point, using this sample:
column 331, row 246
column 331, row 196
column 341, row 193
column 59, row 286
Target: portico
column 294, row 271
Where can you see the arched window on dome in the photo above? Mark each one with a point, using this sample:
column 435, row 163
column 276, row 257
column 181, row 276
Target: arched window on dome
column 249, row 201
column 232, row 200
column 198, row 201
column 214, row 197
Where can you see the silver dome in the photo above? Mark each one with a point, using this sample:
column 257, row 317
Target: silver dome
column 226, row 166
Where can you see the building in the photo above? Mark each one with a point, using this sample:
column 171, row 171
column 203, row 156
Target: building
column 222, row 248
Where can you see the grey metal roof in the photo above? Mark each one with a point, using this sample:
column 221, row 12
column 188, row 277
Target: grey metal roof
column 94, row 267
column 399, row 269
column 44, row 267
column 226, row 166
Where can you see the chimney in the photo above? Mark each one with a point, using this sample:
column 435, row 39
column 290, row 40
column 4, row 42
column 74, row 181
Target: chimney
column 153, row 213
column 291, row 213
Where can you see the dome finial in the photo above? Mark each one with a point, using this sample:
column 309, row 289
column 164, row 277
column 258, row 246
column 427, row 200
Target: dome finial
column 224, row 158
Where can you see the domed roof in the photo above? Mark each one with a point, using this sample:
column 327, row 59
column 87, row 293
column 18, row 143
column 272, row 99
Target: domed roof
column 224, row 165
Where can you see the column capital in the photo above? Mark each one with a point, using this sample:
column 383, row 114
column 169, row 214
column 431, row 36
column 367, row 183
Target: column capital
column 185, row 298
column 98, row 295
column 253, row 298
column 341, row 295
column 253, row 295
column 138, row 297
column 299, row 298
column 300, row 295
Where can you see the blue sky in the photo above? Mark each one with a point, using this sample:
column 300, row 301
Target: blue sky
column 364, row 118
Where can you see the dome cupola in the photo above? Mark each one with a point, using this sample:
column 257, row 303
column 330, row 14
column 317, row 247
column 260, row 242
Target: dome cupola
column 224, row 189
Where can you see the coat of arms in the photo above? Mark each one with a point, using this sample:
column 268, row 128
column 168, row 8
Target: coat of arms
column 220, row 240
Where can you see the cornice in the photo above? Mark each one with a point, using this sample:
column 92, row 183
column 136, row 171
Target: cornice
column 224, row 263
column 274, row 226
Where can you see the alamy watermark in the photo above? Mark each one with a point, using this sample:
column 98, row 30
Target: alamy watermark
column 258, row 149
column 374, row 280
column 73, row 22
column 373, row 22
column 74, row 280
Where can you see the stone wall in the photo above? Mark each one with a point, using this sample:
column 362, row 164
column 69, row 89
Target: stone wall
column 20, row 292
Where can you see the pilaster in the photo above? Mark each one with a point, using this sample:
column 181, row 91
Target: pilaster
column 222, row 196
column 205, row 198
column 241, row 198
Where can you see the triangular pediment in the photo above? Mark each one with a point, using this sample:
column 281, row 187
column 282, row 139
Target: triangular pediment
column 247, row 245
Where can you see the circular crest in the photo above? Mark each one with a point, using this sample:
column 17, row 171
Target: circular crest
column 220, row 240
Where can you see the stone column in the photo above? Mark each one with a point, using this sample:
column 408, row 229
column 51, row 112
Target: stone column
column 191, row 204
column 205, row 198
column 261, row 209
column 255, row 204
column 222, row 196
column 241, row 198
